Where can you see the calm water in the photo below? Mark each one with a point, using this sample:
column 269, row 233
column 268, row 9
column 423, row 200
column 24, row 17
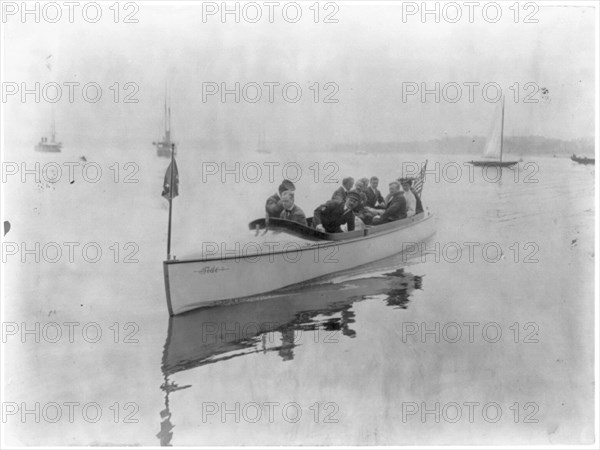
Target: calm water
column 342, row 361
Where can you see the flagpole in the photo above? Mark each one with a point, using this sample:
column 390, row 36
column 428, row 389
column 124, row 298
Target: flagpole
column 170, row 203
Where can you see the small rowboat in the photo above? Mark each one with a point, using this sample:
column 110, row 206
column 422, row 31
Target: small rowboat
column 213, row 279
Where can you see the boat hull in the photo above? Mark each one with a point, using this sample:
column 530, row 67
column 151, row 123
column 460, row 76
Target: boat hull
column 48, row 148
column 196, row 283
column 493, row 163
column 584, row 160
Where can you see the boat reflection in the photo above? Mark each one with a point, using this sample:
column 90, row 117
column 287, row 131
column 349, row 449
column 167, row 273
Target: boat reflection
column 273, row 324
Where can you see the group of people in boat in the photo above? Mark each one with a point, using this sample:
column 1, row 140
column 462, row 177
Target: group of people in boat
column 352, row 206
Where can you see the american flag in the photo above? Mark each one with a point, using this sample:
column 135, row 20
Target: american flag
column 419, row 180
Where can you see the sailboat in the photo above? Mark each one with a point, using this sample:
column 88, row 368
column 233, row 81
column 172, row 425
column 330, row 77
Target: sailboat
column 261, row 147
column 49, row 146
column 163, row 147
column 44, row 145
column 494, row 144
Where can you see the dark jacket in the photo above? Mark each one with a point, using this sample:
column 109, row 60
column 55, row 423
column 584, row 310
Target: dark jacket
column 274, row 207
column 295, row 215
column 340, row 194
column 332, row 215
column 419, row 207
column 395, row 209
column 374, row 198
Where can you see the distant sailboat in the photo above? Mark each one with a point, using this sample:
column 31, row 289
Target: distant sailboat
column 49, row 146
column 494, row 144
column 163, row 147
column 262, row 147
column 44, row 145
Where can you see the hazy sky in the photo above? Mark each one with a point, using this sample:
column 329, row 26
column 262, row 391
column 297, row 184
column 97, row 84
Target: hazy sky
column 370, row 54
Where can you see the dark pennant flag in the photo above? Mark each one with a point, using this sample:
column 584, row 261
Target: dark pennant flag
column 166, row 193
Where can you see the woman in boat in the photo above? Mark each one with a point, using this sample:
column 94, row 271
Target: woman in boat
column 409, row 196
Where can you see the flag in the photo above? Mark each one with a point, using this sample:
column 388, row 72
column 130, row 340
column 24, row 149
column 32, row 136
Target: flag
column 166, row 193
column 419, row 181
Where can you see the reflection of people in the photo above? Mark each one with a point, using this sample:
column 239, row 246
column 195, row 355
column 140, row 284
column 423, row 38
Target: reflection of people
column 288, row 337
column 374, row 197
column 341, row 192
column 395, row 208
column 273, row 206
column 291, row 211
column 330, row 216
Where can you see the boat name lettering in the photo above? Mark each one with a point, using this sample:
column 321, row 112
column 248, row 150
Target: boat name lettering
column 210, row 269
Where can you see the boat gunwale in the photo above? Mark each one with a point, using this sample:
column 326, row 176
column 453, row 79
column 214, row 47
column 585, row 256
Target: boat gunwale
column 317, row 245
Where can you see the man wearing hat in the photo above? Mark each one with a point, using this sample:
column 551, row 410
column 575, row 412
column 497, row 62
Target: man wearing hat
column 330, row 216
column 274, row 208
column 395, row 208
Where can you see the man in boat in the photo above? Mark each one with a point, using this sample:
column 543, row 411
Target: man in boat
column 274, row 207
column 291, row 211
column 329, row 217
column 395, row 208
column 361, row 212
column 341, row 192
column 374, row 197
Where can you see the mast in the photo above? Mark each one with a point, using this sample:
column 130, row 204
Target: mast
column 53, row 127
column 502, row 130
column 165, row 114
column 170, row 201
column 169, row 124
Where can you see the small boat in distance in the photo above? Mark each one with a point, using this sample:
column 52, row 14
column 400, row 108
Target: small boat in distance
column 583, row 160
column 261, row 146
column 163, row 147
column 494, row 145
column 361, row 152
column 49, row 146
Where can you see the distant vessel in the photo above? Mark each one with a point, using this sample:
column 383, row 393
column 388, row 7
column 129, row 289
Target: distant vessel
column 361, row 152
column 163, row 147
column 44, row 145
column 261, row 146
column 583, row 159
column 494, row 144
column 49, row 146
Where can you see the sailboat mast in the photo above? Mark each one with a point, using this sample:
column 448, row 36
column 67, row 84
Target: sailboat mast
column 53, row 126
column 502, row 130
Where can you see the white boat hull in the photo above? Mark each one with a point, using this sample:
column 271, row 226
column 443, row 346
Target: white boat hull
column 196, row 283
